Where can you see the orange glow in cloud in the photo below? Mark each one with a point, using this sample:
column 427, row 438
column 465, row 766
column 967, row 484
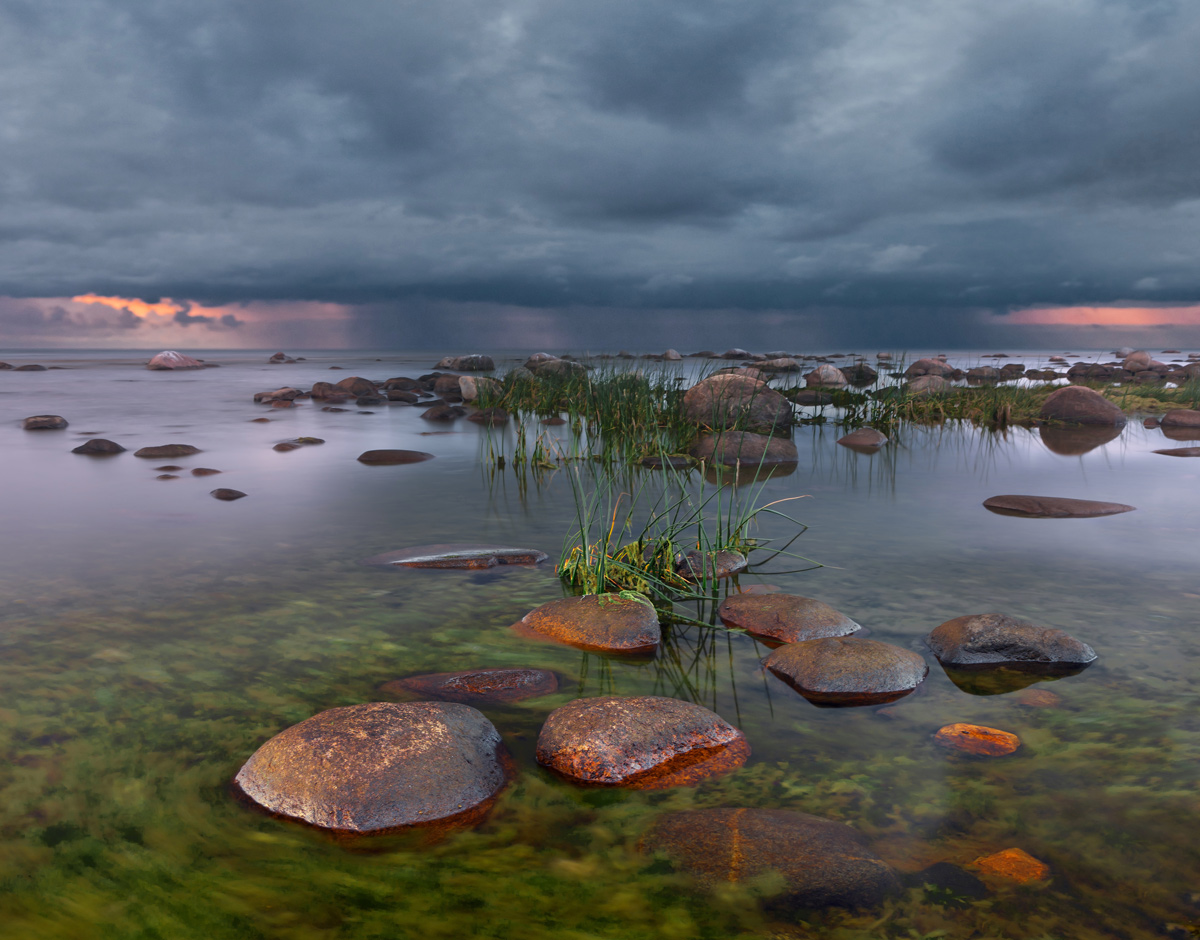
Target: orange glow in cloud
column 139, row 308
column 1131, row 317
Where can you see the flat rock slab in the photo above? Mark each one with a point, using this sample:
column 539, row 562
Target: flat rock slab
column 380, row 766
column 848, row 670
column 458, row 555
column 977, row 739
column 478, row 686
column 606, row 623
column 645, row 742
column 391, row 458
column 1180, row 452
column 785, row 618
column 822, row 863
column 997, row 638
column 99, row 447
column 1053, row 507
column 45, row 423
column 167, row 450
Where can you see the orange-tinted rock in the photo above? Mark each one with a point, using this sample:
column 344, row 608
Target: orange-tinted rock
column 601, row 622
column 380, row 766
column 1074, row 404
column 977, row 739
column 391, row 458
column 1038, row 698
column 1053, row 507
column 786, row 618
column 822, row 862
column 644, row 742
column 478, row 686
column 458, row 555
column 1015, row 865
column 848, row 670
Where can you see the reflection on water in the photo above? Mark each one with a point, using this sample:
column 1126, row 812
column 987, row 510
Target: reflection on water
column 153, row 637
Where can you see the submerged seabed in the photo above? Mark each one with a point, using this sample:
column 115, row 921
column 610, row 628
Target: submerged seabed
column 152, row 637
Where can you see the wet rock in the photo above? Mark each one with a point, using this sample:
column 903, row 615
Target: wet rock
column 928, row 385
column 727, row 401
column 408, row 398
column 1038, row 698
column 786, row 618
column 560, row 367
column 45, row 423
column 168, row 468
column 983, row 374
column 825, row 376
column 948, row 878
column 226, row 494
column 1180, row 452
column 370, row 401
column 700, row 566
column 1074, row 404
column 297, row 443
column 821, row 862
column 733, row 447
column 734, row 352
column 866, row 439
column 458, row 555
column 282, row 403
column 5, row 365
column 783, row 364
column 489, row 417
column 1075, row 440
column 1004, row 678
column 1181, row 418
column 603, row 622
column 848, row 670
column 1013, row 865
column 860, row 374
column 1052, row 507
column 380, row 766
column 280, row 357
column 477, row 686
column 443, row 413
column 471, row 387
column 996, row 638
column 391, row 458
column 355, row 387
column 204, row 472
column 921, row 367
column 30, row 368
column 99, row 447
column 287, row 393
column 167, row 450
column 811, row 396
column 472, row 363
column 169, row 360
column 284, row 446
column 323, row 390
column 447, row 387
column 977, row 739
column 644, row 742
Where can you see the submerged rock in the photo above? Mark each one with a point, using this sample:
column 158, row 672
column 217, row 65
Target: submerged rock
column 478, row 686
column 601, row 622
column 734, row 447
column 977, row 739
column 458, row 555
column 867, row 439
column 821, row 862
column 167, row 450
column 355, row 387
column 1013, row 865
column 391, row 458
column 380, row 766
column 45, row 423
column 644, row 742
column 698, row 566
column 996, row 638
column 99, row 447
column 1053, row 507
column 848, row 670
column 785, row 618
column 32, row 367
column 1075, row 404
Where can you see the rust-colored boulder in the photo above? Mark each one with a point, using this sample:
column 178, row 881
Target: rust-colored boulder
column 997, row 638
column 458, row 555
column 477, row 686
column 380, row 766
column 977, row 739
column 848, row 670
column 1013, row 865
column 729, row 401
column 865, row 439
column 645, row 742
column 169, row 360
column 934, row 367
column 392, row 458
column 601, row 622
column 167, row 450
column 45, row 423
column 355, row 387
column 1053, row 507
column 1074, row 404
column 1181, row 418
column 822, row 862
column 730, row 448
column 785, row 618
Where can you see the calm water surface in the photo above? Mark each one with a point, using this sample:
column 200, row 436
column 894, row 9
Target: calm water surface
column 152, row 637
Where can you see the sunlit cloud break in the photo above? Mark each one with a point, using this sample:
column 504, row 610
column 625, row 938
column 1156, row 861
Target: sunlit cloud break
column 1116, row 317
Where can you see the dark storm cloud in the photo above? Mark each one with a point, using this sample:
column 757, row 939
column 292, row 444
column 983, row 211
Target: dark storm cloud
column 855, row 155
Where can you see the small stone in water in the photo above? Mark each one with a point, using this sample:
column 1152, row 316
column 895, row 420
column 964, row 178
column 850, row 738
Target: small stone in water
column 168, row 468
column 166, row 476
column 226, row 494
column 977, row 739
column 1014, row 864
column 204, row 472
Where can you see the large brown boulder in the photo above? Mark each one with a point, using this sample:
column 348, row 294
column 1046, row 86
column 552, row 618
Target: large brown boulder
column 737, row 401
column 821, row 862
column 785, row 618
column 733, row 447
column 927, row 367
column 45, row 423
column 1181, row 418
column 645, row 742
column 477, row 686
column 825, row 376
column 1074, row 404
column 848, row 670
column 601, row 622
column 380, row 766
column 928, row 385
column 996, row 638
column 1053, row 507
column 356, row 387
column 168, row 360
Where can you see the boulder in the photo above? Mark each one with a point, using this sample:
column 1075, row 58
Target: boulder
column 928, row 385
column 5, row 365
column 204, row 472
column 392, row 458
column 1074, row 404
column 477, row 686
column 613, row 623
column 977, row 739
column 355, row 387
column 458, row 555
column 167, row 450
column 671, row 355
column 322, row 390
column 784, row 618
column 366, row 401
column 996, row 638
column 559, row 367
column 848, row 670
column 447, row 387
column 825, row 376
column 927, row 367
column 724, row 402
column 644, row 742
column 408, row 398
column 733, row 447
column 472, row 363
column 45, row 423
column 489, row 417
column 1013, row 865
column 811, row 396
column 380, row 766
column 734, row 352
column 471, row 387
column 280, row 394
column 983, row 374
column 784, row 364
column 280, row 357
column 699, row 566
column 99, row 447
column 1139, row 361
column 1052, row 507
column 169, row 360
column 1078, row 439
column 225, row 494
column 1176, row 418
column 864, row 439
column 443, row 413
column 860, row 374
column 820, row 862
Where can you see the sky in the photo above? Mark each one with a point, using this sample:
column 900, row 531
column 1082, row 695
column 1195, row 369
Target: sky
column 773, row 174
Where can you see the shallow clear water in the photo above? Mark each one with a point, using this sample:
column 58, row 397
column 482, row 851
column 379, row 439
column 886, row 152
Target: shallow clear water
column 152, row 637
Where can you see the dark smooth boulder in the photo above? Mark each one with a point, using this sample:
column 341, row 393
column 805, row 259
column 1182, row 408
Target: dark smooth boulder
column 391, row 458
column 997, row 638
column 443, row 413
column 458, row 555
column 477, row 686
column 1181, row 418
column 848, row 670
column 5, row 365
column 226, row 494
column 398, row 394
column 784, row 618
column 730, row 448
column 728, row 401
column 381, row 766
column 489, row 416
column 204, row 472
column 356, row 387
column 99, row 447
column 811, row 396
column 864, row 439
column 1074, row 404
column 821, row 862
column 644, row 742
column 447, row 388
column 598, row 622
column 472, row 363
column 167, row 450
column 860, row 374
column 1079, row 439
column 45, row 423
column 1053, row 507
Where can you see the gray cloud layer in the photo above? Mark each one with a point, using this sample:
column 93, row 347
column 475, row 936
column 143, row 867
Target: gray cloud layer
column 861, row 155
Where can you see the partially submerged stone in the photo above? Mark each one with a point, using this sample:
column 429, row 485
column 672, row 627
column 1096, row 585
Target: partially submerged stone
column 785, row 618
column 821, row 862
column 471, row 363
column 1075, row 404
column 1013, row 865
column 977, row 739
column 601, row 622
column 731, row 448
column 1181, row 418
column 737, row 401
column 1053, row 507
column 169, row 360
column 226, row 494
column 644, row 742
column 380, row 766
column 99, row 447
column 867, row 439
column 707, row 566
column 167, row 450
column 45, row 423
column 458, row 555
column 478, row 686
column 848, row 670
column 997, row 638
column 392, row 458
